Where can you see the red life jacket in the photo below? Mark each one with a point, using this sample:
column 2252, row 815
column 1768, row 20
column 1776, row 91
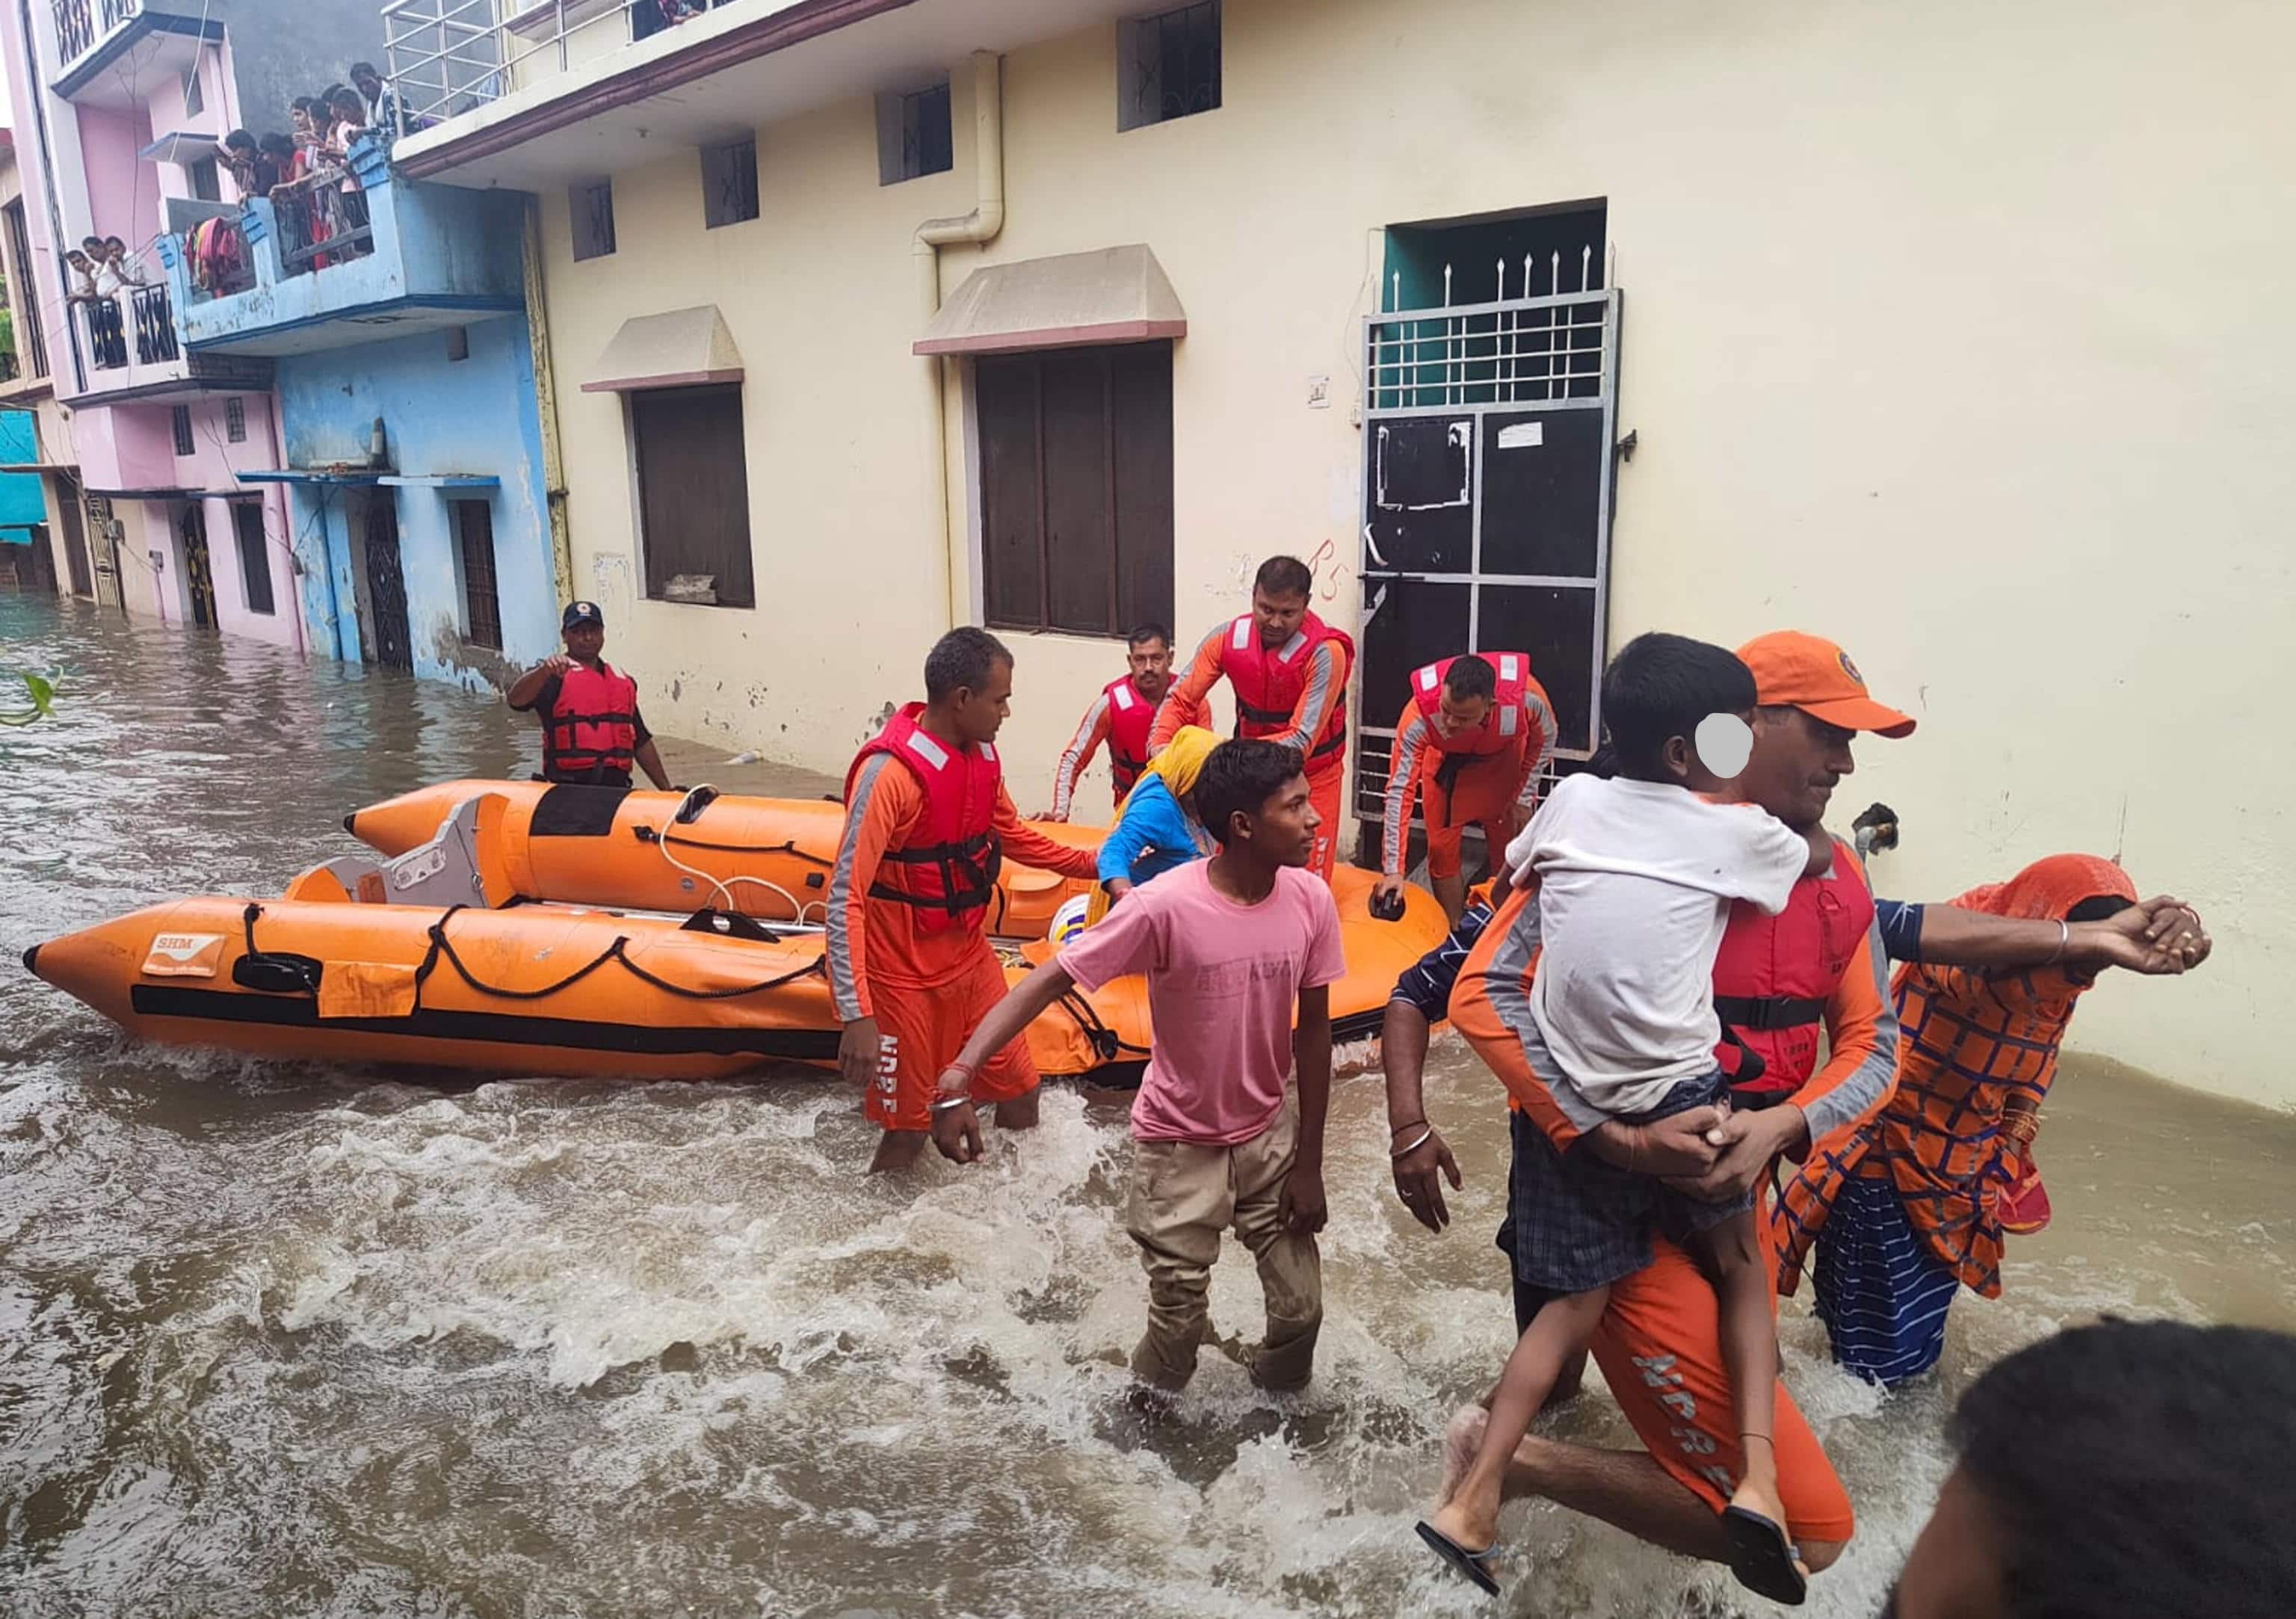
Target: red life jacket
column 1130, row 716
column 1269, row 685
column 591, row 730
column 1502, row 725
column 1774, row 976
column 950, row 878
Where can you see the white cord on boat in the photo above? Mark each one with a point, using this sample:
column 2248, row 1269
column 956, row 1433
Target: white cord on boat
column 721, row 888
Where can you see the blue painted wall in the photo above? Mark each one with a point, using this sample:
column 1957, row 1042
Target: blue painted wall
column 441, row 418
column 22, row 501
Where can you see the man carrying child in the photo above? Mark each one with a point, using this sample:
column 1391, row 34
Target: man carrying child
column 1231, row 947
column 1635, row 876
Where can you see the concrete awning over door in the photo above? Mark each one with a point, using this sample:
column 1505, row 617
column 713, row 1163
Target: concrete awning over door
column 1114, row 295
column 683, row 349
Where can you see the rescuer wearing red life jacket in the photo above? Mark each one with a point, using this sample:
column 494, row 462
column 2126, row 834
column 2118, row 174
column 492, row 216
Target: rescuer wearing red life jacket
column 1475, row 738
column 1121, row 716
column 1778, row 980
column 927, row 825
column 592, row 732
column 1288, row 671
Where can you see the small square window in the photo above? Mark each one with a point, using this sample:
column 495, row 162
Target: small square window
column 1167, row 66
column 594, row 220
column 235, row 419
column 912, row 133
column 729, row 183
column 185, row 445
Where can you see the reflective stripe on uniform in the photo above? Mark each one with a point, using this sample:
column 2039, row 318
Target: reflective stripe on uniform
column 1395, row 816
column 844, row 971
column 1079, row 750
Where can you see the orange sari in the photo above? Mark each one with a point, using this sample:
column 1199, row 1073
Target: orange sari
column 1969, row 1042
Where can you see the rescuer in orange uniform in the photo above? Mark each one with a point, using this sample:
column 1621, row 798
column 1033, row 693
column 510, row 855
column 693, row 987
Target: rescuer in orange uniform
column 927, row 825
column 592, row 732
column 1475, row 734
column 1290, row 673
column 1121, row 716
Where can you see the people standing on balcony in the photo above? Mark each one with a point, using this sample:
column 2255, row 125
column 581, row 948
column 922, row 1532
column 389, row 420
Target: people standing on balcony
column 279, row 152
column 384, row 113
column 81, row 285
column 308, row 121
column 118, row 269
column 250, row 171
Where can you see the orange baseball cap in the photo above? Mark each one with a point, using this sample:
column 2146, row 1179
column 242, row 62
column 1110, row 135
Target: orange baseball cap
column 1812, row 674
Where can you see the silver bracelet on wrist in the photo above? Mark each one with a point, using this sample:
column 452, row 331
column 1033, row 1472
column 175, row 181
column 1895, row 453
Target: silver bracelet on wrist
column 946, row 1103
column 2064, row 942
column 1418, row 1141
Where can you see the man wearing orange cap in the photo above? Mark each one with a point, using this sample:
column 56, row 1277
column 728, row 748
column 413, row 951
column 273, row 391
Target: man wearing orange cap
column 1778, row 981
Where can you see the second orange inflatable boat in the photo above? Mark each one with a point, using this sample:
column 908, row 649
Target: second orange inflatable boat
column 767, row 857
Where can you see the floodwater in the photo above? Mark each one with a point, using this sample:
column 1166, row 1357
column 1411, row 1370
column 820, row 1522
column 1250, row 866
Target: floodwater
column 277, row 1340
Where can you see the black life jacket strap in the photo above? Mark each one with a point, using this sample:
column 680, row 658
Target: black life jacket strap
column 1767, row 1013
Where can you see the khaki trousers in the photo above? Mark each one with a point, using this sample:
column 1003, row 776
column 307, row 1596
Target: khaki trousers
column 1183, row 1196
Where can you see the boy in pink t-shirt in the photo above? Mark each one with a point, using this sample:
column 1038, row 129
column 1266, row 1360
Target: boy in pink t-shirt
column 1230, row 945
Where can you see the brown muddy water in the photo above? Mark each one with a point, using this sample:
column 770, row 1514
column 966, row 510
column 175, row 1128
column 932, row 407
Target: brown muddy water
column 278, row 1341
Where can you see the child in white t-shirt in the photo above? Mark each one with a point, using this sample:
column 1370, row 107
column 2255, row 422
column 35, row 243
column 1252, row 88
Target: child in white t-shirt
column 1636, row 873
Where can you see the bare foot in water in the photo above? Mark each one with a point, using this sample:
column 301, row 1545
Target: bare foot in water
column 1462, row 1436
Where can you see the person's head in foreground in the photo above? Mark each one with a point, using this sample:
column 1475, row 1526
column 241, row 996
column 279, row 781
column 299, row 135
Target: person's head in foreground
column 1656, row 694
column 2127, row 1470
column 1252, row 797
column 1470, row 687
column 1279, row 599
column 969, row 684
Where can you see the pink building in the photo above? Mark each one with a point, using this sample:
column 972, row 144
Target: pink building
column 120, row 110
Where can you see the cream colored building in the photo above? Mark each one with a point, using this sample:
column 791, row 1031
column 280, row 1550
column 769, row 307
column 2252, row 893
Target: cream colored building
column 1957, row 332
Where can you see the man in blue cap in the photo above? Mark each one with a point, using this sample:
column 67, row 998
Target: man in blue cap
column 592, row 732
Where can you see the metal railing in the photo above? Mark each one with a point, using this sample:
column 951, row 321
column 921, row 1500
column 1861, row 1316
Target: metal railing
column 320, row 223
column 151, row 311
column 448, row 56
column 1545, row 345
column 80, row 23
column 102, row 332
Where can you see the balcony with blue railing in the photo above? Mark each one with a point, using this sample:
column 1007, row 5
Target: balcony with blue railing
column 113, row 52
column 353, row 256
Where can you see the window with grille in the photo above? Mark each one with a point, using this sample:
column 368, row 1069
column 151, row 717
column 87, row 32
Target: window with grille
column 1075, row 487
column 693, row 494
column 254, row 555
column 474, row 530
column 912, row 135
column 1167, row 66
column 235, row 419
column 594, row 219
column 185, row 443
column 729, row 183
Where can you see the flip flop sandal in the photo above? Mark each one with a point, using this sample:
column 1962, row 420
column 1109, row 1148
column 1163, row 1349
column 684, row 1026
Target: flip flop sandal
column 1470, row 1564
column 1762, row 1556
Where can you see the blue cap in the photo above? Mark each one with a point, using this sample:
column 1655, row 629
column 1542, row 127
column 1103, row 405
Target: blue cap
column 582, row 613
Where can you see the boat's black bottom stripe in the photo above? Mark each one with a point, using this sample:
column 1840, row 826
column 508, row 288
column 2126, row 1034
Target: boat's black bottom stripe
column 497, row 1027
column 502, row 1028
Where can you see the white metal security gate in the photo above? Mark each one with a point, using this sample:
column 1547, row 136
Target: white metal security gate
column 1487, row 465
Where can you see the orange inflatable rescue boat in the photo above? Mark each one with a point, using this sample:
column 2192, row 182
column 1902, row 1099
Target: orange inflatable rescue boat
column 768, row 857
column 431, row 961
